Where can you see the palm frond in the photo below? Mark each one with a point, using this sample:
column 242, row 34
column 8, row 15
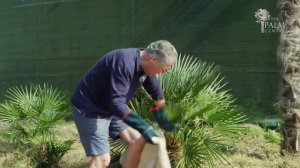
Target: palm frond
column 142, row 107
column 32, row 110
column 187, row 76
column 10, row 113
column 117, row 148
column 49, row 153
column 196, row 98
column 199, row 147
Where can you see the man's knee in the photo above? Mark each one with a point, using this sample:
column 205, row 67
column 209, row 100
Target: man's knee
column 106, row 159
column 132, row 137
column 101, row 160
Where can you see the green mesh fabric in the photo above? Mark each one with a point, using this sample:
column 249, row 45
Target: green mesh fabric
column 56, row 41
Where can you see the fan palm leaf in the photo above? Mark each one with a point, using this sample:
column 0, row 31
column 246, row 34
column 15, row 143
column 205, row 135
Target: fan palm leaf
column 186, row 77
column 196, row 99
column 200, row 147
column 31, row 113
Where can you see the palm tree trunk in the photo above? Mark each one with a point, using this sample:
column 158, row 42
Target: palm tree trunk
column 289, row 54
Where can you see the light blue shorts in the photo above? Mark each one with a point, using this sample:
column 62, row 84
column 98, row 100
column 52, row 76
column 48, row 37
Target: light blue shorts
column 94, row 132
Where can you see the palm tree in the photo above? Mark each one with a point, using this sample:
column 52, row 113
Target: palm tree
column 289, row 54
column 31, row 113
column 197, row 100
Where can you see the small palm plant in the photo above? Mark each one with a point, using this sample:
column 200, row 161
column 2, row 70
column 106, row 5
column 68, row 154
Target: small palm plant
column 196, row 99
column 31, row 113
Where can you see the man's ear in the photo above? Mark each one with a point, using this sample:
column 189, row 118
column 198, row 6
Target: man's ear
column 155, row 59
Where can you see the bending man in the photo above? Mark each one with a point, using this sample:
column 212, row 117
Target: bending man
column 99, row 101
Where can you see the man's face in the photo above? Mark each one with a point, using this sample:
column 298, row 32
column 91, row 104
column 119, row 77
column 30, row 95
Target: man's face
column 157, row 68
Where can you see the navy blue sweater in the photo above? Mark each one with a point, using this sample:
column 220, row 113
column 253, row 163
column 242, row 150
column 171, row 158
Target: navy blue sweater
column 107, row 87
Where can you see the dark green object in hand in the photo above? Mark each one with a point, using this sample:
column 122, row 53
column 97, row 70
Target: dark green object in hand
column 136, row 122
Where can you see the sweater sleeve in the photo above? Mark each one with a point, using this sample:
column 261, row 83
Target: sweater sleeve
column 152, row 86
column 120, row 83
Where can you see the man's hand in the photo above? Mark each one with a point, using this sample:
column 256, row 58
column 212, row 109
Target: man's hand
column 162, row 119
column 159, row 102
column 136, row 122
column 149, row 134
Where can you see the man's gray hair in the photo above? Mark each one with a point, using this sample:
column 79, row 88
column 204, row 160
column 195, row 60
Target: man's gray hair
column 163, row 49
